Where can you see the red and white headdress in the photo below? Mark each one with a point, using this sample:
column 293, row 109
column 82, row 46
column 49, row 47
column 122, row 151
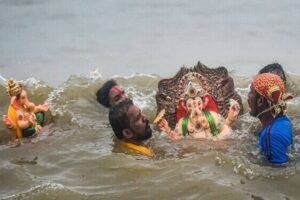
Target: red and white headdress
column 271, row 86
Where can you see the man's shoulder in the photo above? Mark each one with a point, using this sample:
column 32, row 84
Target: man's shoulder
column 283, row 123
column 282, row 128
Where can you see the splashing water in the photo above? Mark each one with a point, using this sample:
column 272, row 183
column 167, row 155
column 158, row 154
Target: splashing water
column 76, row 150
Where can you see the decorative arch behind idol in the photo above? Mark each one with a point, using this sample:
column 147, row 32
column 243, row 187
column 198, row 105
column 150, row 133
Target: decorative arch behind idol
column 218, row 86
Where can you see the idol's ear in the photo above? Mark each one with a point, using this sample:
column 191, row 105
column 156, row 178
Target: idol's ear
column 205, row 101
column 181, row 110
column 181, row 104
column 127, row 133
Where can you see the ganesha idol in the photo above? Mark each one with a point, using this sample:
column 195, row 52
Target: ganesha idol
column 23, row 116
column 197, row 112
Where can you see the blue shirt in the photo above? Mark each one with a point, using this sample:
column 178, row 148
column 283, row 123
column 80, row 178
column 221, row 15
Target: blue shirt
column 275, row 139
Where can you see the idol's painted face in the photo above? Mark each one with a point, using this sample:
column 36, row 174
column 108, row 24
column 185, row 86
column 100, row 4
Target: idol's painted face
column 189, row 105
column 198, row 102
column 116, row 95
column 22, row 98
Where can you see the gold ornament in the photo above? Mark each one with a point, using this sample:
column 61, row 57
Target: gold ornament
column 160, row 116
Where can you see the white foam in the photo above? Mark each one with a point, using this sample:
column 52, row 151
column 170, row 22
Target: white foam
column 38, row 188
column 53, row 96
column 243, row 89
column 294, row 101
column 33, row 83
column 293, row 73
column 95, row 74
column 3, row 79
column 136, row 75
column 141, row 99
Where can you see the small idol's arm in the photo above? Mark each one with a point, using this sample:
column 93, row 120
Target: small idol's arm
column 41, row 108
column 23, row 124
column 8, row 122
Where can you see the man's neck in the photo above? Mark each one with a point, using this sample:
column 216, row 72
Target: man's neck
column 266, row 119
column 133, row 141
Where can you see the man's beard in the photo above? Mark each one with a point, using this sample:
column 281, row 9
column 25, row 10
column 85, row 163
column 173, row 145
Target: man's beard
column 148, row 131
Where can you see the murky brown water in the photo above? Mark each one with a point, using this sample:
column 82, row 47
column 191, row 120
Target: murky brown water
column 76, row 157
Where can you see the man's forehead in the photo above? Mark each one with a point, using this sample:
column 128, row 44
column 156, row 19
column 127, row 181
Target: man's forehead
column 133, row 111
column 117, row 89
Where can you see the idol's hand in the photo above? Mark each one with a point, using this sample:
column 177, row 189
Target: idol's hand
column 9, row 123
column 234, row 109
column 203, row 121
column 32, row 121
column 42, row 108
column 38, row 129
column 164, row 126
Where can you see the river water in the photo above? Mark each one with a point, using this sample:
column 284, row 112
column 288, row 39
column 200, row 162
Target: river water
column 76, row 157
column 65, row 50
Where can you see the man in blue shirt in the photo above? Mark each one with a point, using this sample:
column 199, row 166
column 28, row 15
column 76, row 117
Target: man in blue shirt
column 266, row 101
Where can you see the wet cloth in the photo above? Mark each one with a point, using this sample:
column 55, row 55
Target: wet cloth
column 275, row 139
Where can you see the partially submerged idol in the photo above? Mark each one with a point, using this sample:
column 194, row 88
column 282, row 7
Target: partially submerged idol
column 198, row 98
column 24, row 117
column 199, row 122
column 217, row 83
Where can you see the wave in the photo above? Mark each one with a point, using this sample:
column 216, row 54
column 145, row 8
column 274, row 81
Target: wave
column 73, row 106
column 46, row 190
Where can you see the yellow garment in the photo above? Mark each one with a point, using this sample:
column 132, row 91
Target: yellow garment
column 12, row 115
column 138, row 148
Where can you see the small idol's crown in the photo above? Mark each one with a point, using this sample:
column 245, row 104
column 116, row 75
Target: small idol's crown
column 13, row 88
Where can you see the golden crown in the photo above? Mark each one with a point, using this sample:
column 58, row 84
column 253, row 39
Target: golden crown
column 13, row 88
column 192, row 84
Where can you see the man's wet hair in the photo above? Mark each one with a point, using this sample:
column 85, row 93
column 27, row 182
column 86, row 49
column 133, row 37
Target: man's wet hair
column 103, row 93
column 118, row 118
column 274, row 68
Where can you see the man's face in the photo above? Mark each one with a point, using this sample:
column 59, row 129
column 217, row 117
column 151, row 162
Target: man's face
column 139, row 124
column 254, row 106
column 116, row 95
